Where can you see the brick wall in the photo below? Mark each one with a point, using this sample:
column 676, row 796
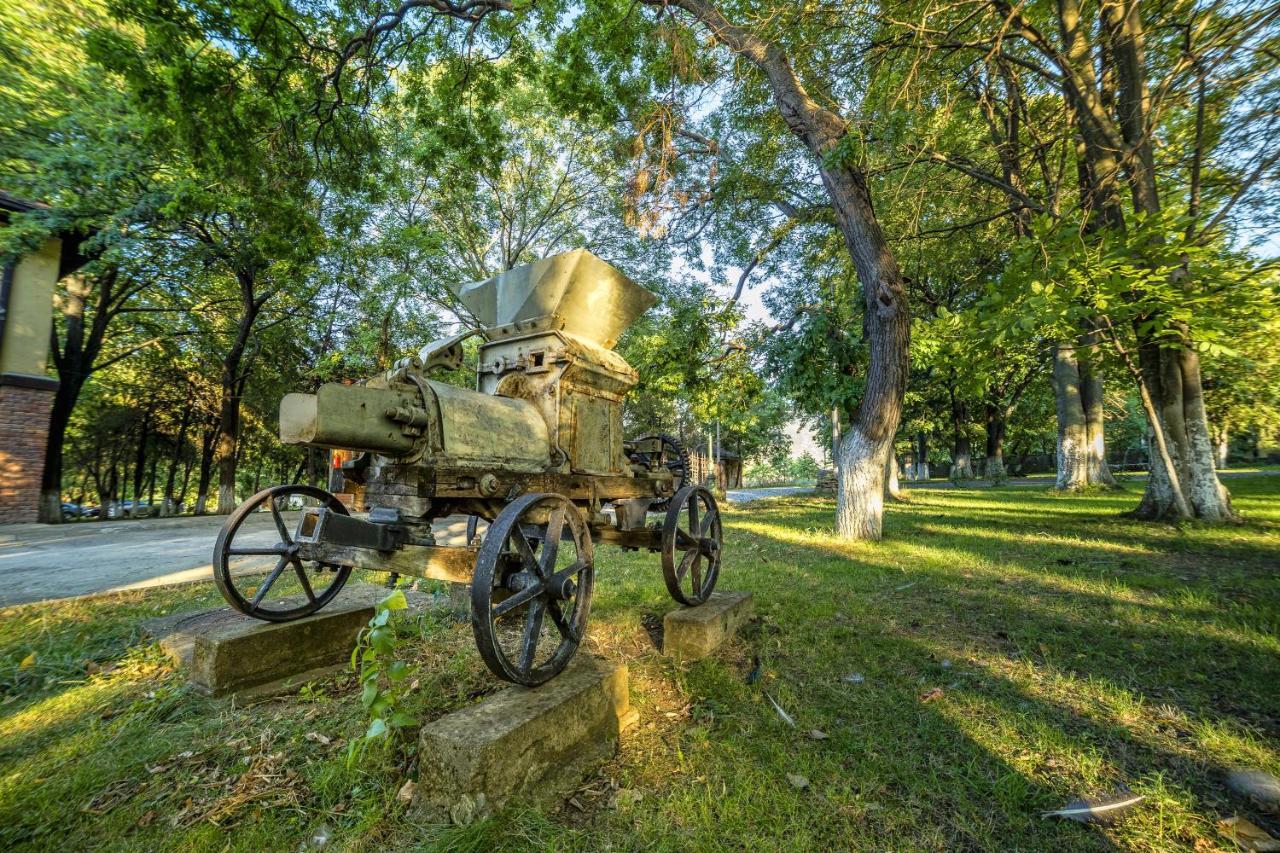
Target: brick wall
column 24, row 430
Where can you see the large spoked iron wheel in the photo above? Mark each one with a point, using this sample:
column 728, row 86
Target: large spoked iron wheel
column 531, row 593
column 240, row 553
column 691, row 545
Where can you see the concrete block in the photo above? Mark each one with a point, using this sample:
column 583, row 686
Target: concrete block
column 523, row 746
column 226, row 652
column 693, row 633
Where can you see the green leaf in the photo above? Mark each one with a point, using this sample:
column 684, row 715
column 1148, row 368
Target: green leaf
column 369, row 695
column 398, row 670
column 377, row 728
column 380, row 618
column 394, row 601
column 400, row 720
column 381, row 640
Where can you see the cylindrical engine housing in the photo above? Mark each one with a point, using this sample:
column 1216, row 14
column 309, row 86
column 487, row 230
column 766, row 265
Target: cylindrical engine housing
column 431, row 422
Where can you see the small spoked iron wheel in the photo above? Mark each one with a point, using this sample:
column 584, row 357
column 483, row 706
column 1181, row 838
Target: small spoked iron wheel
column 691, row 545
column 529, row 605
column 670, row 454
column 244, row 549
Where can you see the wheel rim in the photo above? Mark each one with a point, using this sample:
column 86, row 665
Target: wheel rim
column 268, row 597
column 523, row 601
column 691, row 541
column 674, row 457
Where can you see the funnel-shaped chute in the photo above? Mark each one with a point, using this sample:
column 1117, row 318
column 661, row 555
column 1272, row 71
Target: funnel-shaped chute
column 592, row 299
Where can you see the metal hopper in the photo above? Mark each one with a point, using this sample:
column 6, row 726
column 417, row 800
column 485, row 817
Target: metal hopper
column 593, row 301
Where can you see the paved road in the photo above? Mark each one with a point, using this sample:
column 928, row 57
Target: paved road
column 49, row 561
column 742, row 496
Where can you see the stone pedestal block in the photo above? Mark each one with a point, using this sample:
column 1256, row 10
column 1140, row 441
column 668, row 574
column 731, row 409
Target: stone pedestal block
column 693, row 633
column 227, row 652
column 523, row 746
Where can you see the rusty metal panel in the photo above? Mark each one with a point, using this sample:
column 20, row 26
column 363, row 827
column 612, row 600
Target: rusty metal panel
column 593, row 435
column 481, row 431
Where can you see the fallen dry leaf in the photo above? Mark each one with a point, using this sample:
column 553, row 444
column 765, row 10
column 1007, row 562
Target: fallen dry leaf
column 797, row 781
column 28, row 662
column 1248, row 836
column 318, row 738
column 818, row 734
column 405, row 794
column 931, row 694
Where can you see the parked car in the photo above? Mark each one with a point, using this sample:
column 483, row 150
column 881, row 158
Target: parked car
column 135, row 509
column 72, row 510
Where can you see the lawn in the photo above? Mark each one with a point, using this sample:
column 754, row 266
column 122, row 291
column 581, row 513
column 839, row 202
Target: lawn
column 1001, row 653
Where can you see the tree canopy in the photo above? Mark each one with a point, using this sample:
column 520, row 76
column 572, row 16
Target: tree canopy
column 993, row 237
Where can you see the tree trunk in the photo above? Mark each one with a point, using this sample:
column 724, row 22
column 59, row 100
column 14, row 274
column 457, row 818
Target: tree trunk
column 64, row 401
column 186, row 481
column 868, row 438
column 922, row 456
column 1081, row 451
column 1222, row 444
column 835, row 434
column 179, row 444
column 226, row 454
column 151, row 482
column 206, row 470
column 140, row 460
column 225, row 449
column 1172, row 377
column 994, row 469
column 961, row 446
column 1097, row 471
column 892, row 489
column 1073, row 472
column 860, row 486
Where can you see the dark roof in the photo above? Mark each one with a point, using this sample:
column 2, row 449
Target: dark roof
column 19, row 205
column 71, row 259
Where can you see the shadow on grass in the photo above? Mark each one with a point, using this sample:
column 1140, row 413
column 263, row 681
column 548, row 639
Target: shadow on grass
column 1131, row 687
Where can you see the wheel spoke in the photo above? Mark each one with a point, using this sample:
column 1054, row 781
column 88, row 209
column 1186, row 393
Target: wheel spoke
column 560, row 576
column 512, row 602
column 557, row 616
column 693, row 512
column 525, row 550
column 532, row 627
column 279, row 520
column 302, row 578
column 266, row 584
column 684, row 541
column 695, row 576
column 690, row 557
column 707, row 521
column 254, row 552
column 551, row 544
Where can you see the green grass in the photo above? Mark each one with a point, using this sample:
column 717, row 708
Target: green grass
column 1075, row 651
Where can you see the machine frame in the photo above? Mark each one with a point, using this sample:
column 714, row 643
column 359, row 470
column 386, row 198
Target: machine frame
column 536, row 451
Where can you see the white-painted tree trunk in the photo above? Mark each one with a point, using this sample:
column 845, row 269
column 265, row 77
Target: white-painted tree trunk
column 892, row 489
column 860, row 486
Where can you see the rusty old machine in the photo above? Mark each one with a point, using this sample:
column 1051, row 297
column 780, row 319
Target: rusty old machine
column 537, row 451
